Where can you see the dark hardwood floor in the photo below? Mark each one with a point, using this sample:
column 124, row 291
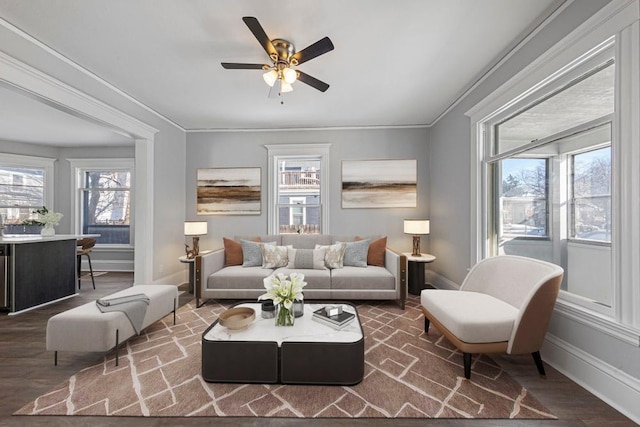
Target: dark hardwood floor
column 27, row 371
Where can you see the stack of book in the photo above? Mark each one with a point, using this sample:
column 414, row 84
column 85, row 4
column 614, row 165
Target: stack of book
column 337, row 321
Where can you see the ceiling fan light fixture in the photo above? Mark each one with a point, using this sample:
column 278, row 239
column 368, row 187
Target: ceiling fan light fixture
column 286, row 87
column 289, row 75
column 270, row 77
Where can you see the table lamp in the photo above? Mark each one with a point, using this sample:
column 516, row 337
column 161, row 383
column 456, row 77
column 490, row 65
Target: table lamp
column 416, row 227
column 195, row 229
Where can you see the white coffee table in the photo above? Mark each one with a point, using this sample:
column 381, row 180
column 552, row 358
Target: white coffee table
column 308, row 352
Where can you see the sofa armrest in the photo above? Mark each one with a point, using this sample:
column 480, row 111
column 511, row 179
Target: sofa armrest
column 396, row 263
column 206, row 265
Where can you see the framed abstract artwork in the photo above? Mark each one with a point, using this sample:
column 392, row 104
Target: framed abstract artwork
column 379, row 183
column 228, row 191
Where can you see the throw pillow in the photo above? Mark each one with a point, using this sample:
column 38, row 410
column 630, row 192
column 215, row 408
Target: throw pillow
column 306, row 258
column 355, row 253
column 274, row 256
column 377, row 250
column 334, row 258
column 233, row 251
column 251, row 253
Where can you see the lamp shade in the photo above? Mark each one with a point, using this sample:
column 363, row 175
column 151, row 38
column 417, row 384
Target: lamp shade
column 195, row 228
column 416, row 226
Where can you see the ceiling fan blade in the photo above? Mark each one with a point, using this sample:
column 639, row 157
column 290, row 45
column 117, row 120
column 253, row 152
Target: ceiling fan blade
column 236, row 66
column 318, row 48
column 260, row 35
column 312, row 81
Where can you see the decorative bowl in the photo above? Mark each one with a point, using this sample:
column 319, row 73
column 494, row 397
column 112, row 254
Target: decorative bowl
column 237, row 317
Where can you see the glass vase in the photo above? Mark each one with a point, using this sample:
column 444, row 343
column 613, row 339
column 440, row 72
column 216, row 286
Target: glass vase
column 285, row 316
column 48, row 230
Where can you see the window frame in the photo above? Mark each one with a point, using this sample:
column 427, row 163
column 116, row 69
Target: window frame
column 34, row 162
column 277, row 152
column 615, row 27
column 78, row 169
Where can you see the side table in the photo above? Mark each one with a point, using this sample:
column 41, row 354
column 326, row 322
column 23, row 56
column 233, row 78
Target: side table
column 416, row 271
column 192, row 271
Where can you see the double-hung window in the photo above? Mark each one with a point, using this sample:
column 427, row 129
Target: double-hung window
column 26, row 184
column 103, row 203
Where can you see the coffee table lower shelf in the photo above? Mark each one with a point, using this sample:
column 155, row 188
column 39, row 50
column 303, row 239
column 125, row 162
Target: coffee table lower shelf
column 291, row 362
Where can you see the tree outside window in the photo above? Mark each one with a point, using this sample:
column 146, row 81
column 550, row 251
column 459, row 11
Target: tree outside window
column 106, row 202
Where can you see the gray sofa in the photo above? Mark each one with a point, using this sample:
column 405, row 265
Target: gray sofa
column 215, row 281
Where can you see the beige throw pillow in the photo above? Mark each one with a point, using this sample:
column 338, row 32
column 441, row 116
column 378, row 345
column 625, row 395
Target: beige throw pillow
column 274, row 256
column 334, row 258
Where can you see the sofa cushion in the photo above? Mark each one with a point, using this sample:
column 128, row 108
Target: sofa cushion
column 305, row 241
column 355, row 253
column 473, row 317
column 377, row 248
column 251, row 253
column 316, row 279
column 274, row 256
column 233, row 251
column 238, row 277
column 306, row 258
column 362, row 278
column 334, row 257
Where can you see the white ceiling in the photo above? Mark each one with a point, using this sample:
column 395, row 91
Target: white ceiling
column 395, row 63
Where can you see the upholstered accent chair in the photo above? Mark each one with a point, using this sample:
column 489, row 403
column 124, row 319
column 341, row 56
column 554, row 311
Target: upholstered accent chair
column 503, row 306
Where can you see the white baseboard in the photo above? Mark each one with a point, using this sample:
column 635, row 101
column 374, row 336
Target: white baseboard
column 108, row 265
column 175, row 279
column 608, row 383
column 441, row 282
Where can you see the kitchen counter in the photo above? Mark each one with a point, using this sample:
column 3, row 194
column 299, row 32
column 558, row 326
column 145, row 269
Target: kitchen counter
column 38, row 270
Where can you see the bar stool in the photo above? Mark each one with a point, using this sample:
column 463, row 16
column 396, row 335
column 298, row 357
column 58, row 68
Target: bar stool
column 85, row 244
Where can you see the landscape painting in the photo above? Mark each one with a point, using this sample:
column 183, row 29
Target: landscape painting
column 379, row 183
column 228, row 191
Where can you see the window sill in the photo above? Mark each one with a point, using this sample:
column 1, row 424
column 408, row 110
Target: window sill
column 598, row 321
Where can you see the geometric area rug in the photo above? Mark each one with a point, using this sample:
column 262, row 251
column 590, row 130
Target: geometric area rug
column 407, row 375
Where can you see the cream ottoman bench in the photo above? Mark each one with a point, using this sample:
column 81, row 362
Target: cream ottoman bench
column 86, row 328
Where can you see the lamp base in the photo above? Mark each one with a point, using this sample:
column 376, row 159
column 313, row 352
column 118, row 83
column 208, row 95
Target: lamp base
column 192, row 253
column 416, row 246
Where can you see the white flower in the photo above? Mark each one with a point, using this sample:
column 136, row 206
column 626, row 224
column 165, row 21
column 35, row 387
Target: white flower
column 283, row 290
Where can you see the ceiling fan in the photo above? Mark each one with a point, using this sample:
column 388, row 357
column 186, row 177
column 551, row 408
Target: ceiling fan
column 279, row 75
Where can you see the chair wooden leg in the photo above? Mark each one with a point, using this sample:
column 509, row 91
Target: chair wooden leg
column 467, row 365
column 426, row 325
column 539, row 364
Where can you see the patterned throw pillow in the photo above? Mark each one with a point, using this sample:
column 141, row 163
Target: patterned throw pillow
column 274, row 256
column 251, row 253
column 306, row 258
column 334, row 258
column 355, row 253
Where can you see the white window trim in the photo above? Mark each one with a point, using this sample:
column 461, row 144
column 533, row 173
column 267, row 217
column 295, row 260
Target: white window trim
column 13, row 160
column 620, row 20
column 280, row 151
column 78, row 167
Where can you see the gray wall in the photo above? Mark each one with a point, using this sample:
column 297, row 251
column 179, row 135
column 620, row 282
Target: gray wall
column 450, row 191
column 168, row 148
column 246, row 149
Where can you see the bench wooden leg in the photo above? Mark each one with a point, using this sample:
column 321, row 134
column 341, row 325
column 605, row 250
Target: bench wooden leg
column 175, row 302
column 55, row 358
column 538, row 359
column 426, row 325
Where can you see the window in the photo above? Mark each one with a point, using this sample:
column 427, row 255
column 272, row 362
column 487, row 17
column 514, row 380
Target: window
column 299, row 201
column 104, row 200
column 298, row 195
column 26, row 184
column 591, row 190
column 523, row 196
